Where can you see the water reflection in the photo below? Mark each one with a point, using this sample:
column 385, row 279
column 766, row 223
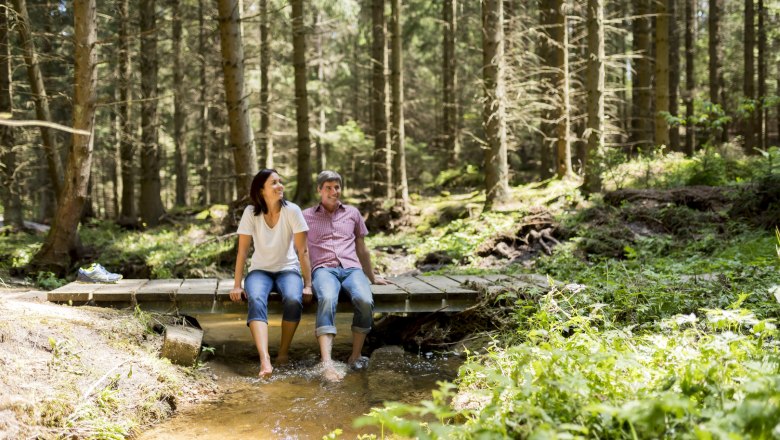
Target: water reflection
column 295, row 403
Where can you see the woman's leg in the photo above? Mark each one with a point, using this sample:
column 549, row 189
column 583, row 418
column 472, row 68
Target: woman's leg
column 289, row 284
column 258, row 286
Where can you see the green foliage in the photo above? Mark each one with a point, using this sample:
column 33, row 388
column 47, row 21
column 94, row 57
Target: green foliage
column 49, row 281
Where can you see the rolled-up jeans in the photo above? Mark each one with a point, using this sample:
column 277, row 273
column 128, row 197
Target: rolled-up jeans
column 327, row 282
column 259, row 284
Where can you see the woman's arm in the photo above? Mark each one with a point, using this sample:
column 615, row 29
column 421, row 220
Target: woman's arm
column 243, row 249
column 302, row 248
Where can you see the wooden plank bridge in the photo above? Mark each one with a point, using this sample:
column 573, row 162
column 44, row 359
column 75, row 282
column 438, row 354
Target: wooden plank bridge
column 211, row 295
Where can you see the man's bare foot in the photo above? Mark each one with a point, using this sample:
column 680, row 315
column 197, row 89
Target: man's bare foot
column 282, row 359
column 357, row 362
column 265, row 368
column 330, row 373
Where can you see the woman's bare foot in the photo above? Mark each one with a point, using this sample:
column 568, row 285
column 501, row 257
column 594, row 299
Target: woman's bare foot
column 265, row 367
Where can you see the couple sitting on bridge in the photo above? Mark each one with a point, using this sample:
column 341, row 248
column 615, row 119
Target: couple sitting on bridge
column 285, row 260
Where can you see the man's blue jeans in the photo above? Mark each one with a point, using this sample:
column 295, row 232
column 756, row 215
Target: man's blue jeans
column 327, row 283
column 259, row 284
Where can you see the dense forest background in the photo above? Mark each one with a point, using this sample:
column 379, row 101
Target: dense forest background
column 186, row 99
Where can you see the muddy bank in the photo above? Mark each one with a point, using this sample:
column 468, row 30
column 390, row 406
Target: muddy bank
column 76, row 372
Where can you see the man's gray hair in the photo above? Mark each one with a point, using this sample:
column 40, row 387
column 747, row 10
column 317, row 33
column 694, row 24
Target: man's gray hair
column 328, row 176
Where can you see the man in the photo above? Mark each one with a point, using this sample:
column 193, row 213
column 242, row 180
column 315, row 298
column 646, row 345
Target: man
column 339, row 259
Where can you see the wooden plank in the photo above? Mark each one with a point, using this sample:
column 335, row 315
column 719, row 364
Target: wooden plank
column 121, row 292
column 75, row 291
column 196, row 290
column 445, row 284
column 388, row 293
column 224, row 286
column 158, row 290
column 418, row 290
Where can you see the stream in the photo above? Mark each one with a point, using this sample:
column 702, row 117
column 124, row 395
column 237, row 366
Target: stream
column 295, row 403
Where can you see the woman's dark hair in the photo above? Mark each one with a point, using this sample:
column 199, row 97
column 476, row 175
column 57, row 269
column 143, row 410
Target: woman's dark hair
column 257, row 187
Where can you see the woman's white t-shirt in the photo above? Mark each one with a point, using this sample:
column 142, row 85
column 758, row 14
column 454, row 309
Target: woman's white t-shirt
column 274, row 250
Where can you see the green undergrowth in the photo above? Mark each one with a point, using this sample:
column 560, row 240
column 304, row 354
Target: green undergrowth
column 672, row 336
column 627, row 349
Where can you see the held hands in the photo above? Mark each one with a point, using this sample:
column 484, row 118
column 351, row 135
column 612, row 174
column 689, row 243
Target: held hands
column 307, row 295
column 237, row 293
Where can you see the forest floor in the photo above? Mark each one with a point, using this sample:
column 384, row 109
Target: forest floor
column 84, row 372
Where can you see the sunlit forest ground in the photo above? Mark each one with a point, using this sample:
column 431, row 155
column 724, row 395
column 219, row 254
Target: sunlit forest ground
column 659, row 321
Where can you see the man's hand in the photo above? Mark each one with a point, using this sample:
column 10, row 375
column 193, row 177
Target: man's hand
column 237, row 293
column 307, row 295
column 380, row 281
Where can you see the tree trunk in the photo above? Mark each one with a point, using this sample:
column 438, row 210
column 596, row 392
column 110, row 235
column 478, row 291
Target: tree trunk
column 397, row 81
column 674, row 73
column 39, row 94
column 180, row 147
column 322, row 160
column 749, row 79
column 305, row 189
column 690, row 79
column 642, row 133
column 713, row 22
column 203, row 135
column 62, row 242
column 494, row 112
column 661, row 73
column 563, row 115
column 266, row 141
column 548, row 77
column 151, row 201
column 9, row 183
column 449, row 117
column 380, row 182
column 777, row 72
column 127, row 144
column 241, row 138
column 595, row 87
column 760, row 118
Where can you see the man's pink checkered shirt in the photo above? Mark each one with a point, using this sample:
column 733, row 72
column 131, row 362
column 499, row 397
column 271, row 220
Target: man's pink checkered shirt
column 332, row 236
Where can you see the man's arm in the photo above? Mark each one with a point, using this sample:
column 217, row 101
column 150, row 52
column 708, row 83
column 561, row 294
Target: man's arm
column 365, row 261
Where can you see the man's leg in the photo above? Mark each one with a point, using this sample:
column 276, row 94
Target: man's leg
column 257, row 286
column 359, row 288
column 290, row 285
column 326, row 286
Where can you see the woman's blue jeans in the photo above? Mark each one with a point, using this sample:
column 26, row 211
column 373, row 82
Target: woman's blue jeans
column 259, row 284
column 327, row 283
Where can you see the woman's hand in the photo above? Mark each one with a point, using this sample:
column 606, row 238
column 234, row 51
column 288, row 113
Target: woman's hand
column 307, row 295
column 237, row 293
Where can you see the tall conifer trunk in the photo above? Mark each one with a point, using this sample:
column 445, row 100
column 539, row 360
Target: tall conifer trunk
column 595, row 86
column 713, row 45
column 127, row 138
column 179, row 115
column 264, row 135
column 760, row 124
column 690, row 78
column 642, row 118
column 151, row 202
column 305, row 190
column 563, row 114
column 401, row 190
column 494, row 110
column 9, row 183
column 674, row 73
column 241, row 138
column 38, row 89
column 449, row 117
column 749, row 78
column 381, row 176
column 62, row 243
column 548, row 77
column 661, row 72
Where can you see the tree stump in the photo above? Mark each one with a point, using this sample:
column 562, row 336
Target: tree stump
column 181, row 345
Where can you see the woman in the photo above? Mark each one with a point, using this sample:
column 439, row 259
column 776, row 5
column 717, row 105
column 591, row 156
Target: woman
column 273, row 224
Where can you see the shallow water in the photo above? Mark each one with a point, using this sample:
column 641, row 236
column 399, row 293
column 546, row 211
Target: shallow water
column 295, row 403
